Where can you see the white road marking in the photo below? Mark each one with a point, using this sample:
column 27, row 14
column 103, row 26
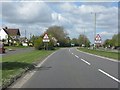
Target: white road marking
column 109, row 75
column 69, row 50
column 99, row 56
column 72, row 53
column 76, row 56
column 85, row 61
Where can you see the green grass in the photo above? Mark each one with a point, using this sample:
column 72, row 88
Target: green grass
column 15, row 64
column 14, row 47
column 113, row 55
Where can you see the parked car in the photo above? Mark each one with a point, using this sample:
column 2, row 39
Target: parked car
column 2, row 49
column 117, row 47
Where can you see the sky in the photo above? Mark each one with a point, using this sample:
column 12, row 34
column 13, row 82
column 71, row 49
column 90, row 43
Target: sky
column 76, row 17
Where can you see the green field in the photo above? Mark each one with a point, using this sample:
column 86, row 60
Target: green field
column 13, row 65
column 113, row 55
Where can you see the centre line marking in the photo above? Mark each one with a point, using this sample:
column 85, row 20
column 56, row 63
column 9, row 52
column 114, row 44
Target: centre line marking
column 85, row 61
column 109, row 75
column 76, row 56
column 69, row 50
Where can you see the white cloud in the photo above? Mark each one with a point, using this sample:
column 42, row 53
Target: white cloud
column 37, row 16
column 68, row 7
column 26, row 12
column 107, row 17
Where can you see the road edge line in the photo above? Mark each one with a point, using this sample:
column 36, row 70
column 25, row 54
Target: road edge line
column 28, row 75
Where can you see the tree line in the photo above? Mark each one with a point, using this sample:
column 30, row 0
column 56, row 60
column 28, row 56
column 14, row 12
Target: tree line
column 114, row 42
column 62, row 39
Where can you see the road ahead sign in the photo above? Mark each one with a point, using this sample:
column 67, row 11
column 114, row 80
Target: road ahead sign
column 98, row 39
column 46, row 38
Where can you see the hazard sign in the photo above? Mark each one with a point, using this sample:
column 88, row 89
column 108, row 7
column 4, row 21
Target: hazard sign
column 46, row 38
column 98, row 39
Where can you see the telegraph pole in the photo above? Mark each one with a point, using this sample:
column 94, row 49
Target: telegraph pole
column 94, row 25
column 84, row 38
column 25, row 33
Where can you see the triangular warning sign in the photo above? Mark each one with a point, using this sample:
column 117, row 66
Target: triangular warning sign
column 98, row 38
column 46, row 37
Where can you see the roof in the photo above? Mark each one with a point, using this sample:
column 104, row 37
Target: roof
column 12, row 32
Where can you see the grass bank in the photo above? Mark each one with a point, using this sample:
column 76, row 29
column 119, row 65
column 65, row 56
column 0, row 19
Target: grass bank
column 113, row 55
column 14, row 65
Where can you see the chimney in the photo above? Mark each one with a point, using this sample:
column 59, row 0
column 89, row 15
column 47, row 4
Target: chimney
column 6, row 27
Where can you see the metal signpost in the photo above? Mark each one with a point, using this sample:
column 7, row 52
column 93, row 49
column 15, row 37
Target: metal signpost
column 46, row 40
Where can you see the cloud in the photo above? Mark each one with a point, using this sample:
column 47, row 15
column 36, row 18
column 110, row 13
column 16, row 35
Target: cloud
column 36, row 16
column 26, row 12
column 106, row 19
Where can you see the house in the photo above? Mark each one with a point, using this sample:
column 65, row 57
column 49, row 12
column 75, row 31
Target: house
column 9, row 35
column 3, row 34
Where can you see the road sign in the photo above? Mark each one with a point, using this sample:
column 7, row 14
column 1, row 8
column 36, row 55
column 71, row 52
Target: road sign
column 46, row 38
column 98, row 39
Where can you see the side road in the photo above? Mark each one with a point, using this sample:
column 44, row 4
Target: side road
column 17, row 51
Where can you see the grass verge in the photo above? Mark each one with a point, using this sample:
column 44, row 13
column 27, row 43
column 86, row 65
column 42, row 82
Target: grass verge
column 15, row 47
column 113, row 55
column 16, row 64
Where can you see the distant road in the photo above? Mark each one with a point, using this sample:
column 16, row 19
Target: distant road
column 69, row 68
column 17, row 51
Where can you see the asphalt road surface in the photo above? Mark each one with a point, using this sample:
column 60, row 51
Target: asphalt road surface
column 69, row 68
column 17, row 51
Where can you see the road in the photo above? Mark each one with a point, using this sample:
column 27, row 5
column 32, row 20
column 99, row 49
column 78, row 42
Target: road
column 69, row 68
column 18, row 51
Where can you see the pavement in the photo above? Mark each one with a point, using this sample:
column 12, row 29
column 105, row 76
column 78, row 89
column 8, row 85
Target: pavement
column 69, row 68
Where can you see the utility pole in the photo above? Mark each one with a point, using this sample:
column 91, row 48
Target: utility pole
column 83, row 35
column 25, row 33
column 94, row 25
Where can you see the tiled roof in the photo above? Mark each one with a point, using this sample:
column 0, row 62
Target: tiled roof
column 12, row 32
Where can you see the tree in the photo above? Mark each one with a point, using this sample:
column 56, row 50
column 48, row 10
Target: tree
column 67, row 42
column 33, row 39
column 108, row 43
column 83, row 40
column 113, row 42
column 57, row 32
column 75, row 41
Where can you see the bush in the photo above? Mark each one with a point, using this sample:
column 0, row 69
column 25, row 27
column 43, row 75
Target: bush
column 38, row 44
column 51, row 45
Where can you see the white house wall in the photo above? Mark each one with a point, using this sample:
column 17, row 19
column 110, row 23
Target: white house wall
column 3, row 34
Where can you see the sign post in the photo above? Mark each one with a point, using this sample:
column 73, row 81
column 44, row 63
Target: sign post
column 46, row 40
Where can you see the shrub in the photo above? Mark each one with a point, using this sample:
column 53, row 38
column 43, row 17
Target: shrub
column 51, row 45
column 38, row 44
